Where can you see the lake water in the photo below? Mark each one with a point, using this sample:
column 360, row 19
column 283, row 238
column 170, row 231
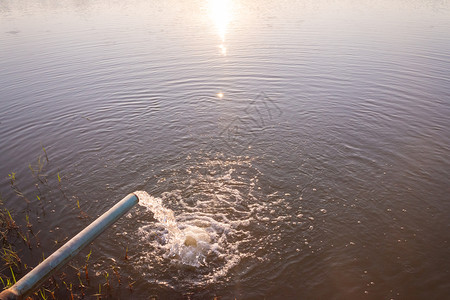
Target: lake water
column 305, row 144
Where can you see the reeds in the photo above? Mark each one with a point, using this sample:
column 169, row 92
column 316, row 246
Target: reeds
column 12, row 180
column 19, row 238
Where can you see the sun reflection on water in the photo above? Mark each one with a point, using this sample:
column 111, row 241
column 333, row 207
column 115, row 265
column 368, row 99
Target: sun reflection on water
column 220, row 11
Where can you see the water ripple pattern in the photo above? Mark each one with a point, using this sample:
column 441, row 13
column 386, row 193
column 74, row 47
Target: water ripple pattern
column 290, row 149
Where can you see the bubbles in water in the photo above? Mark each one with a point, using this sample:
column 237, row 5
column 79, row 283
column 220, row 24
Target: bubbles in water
column 164, row 215
column 194, row 240
column 214, row 220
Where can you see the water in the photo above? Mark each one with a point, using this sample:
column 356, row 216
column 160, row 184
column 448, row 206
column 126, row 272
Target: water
column 196, row 240
column 189, row 245
column 298, row 149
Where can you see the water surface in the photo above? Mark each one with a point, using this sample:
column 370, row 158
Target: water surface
column 308, row 139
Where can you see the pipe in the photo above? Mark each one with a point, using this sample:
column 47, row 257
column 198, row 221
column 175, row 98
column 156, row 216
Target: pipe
column 38, row 275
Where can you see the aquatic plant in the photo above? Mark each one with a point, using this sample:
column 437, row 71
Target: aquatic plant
column 45, row 152
column 86, row 266
column 116, row 272
column 12, row 178
column 10, row 257
column 20, row 236
column 42, row 293
column 108, row 287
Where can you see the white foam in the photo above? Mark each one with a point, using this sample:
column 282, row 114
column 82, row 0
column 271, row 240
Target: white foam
column 218, row 218
column 190, row 239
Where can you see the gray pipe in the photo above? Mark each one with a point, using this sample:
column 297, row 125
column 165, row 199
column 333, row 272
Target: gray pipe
column 38, row 275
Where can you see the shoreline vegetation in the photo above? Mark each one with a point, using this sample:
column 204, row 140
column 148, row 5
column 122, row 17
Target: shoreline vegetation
column 21, row 232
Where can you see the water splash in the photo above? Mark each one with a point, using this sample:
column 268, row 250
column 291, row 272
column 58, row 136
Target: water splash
column 217, row 229
column 164, row 215
column 189, row 244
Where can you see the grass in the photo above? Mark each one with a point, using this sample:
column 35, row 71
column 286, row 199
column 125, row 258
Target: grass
column 45, row 152
column 12, row 180
column 10, row 258
column 21, row 245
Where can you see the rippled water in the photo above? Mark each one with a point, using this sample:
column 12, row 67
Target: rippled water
column 303, row 145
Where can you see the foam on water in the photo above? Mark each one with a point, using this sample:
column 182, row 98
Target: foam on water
column 215, row 222
column 195, row 240
column 164, row 215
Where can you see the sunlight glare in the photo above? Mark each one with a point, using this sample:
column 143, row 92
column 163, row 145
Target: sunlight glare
column 223, row 49
column 220, row 13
